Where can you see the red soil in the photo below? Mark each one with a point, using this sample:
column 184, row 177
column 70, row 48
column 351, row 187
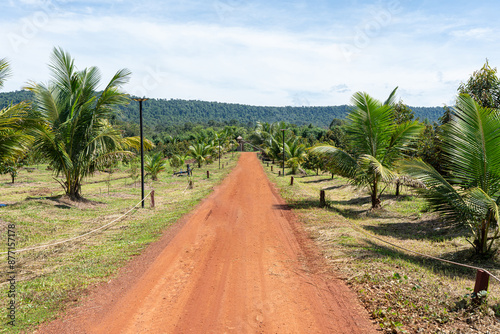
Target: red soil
column 240, row 263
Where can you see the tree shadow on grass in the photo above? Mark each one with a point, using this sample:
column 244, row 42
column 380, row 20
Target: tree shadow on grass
column 282, row 207
column 302, row 204
column 312, row 203
column 318, row 181
column 374, row 250
column 333, row 187
column 64, row 202
column 430, row 229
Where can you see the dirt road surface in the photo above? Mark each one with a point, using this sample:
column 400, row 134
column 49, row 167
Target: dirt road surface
column 240, row 263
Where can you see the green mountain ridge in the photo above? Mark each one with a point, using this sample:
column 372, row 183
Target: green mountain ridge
column 161, row 113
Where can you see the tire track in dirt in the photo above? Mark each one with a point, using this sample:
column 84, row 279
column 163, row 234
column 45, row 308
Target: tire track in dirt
column 241, row 263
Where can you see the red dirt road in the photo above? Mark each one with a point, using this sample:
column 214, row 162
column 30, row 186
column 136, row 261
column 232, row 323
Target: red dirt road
column 240, row 263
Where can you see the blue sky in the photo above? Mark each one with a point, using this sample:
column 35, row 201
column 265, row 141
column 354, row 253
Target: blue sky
column 259, row 52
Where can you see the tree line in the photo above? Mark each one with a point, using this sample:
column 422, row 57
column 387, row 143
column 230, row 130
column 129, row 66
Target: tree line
column 174, row 115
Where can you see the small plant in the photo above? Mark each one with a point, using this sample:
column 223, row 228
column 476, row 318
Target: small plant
column 10, row 169
column 155, row 164
column 134, row 170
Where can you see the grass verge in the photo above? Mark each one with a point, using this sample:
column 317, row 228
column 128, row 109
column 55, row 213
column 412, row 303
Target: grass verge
column 50, row 279
column 404, row 292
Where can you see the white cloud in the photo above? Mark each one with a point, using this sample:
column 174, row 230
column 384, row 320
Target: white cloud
column 475, row 34
column 215, row 56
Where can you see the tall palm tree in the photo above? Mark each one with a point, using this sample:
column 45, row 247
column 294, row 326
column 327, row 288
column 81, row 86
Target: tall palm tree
column 76, row 135
column 376, row 144
column 471, row 195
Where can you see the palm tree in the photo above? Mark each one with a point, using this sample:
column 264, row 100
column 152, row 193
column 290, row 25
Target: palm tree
column 296, row 154
column 200, row 152
column 15, row 124
column 14, row 135
column 376, row 144
column 155, row 164
column 471, row 195
column 178, row 160
column 76, row 135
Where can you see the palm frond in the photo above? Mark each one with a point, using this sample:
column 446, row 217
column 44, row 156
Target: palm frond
column 5, row 71
column 370, row 165
column 342, row 163
column 471, row 139
column 480, row 203
column 392, row 98
column 440, row 194
column 370, row 125
column 403, row 135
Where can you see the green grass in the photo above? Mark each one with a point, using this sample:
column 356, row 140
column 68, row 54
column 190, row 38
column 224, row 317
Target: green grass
column 51, row 279
column 403, row 291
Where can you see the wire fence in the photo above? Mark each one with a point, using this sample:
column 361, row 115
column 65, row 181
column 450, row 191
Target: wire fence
column 82, row 235
column 360, row 229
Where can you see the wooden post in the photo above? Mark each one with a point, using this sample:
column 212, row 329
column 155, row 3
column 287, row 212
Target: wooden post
column 279, row 173
column 152, row 198
column 208, row 174
column 190, row 184
column 268, row 164
column 482, row 279
column 271, row 168
column 291, row 180
column 322, row 202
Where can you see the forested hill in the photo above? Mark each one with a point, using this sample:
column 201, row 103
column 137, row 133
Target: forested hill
column 177, row 112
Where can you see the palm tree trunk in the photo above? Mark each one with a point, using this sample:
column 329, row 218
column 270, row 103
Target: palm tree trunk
column 375, row 199
column 483, row 238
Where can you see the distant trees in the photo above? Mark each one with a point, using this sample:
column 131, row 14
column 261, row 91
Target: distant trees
column 483, row 86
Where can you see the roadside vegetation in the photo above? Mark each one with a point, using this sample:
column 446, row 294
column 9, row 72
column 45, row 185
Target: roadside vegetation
column 51, row 279
column 404, row 292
